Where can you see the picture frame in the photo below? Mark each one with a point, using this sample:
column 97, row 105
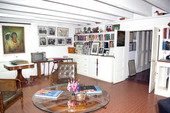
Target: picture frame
column 42, row 30
column 42, row 41
column 94, row 48
column 13, row 39
column 79, row 48
column 101, row 50
column 60, row 41
column 85, row 49
column 51, row 41
column 68, row 41
column 120, row 38
column 62, row 32
column 51, row 31
column 106, row 52
column 116, row 27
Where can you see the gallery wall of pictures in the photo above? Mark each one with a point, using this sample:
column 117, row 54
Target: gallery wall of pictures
column 53, row 36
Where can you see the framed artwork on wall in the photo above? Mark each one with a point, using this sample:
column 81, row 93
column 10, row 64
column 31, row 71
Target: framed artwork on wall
column 51, row 31
column 42, row 30
column 51, row 41
column 68, row 41
column 94, row 48
column 13, row 39
column 60, row 41
column 62, row 32
column 42, row 41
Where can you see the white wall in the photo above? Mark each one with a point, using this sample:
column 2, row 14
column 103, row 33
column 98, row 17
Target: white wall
column 31, row 45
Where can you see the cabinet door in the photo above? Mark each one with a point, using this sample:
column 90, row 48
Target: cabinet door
column 105, row 68
column 93, row 66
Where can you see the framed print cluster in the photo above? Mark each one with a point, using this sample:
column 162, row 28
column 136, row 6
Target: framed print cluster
column 60, row 41
column 94, row 48
column 52, row 41
column 62, row 32
column 13, row 39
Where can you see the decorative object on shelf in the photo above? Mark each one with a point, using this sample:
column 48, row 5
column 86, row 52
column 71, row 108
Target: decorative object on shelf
column 106, row 51
column 85, row 30
column 51, row 31
column 96, row 30
column 94, row 48
column 62, row 32
column 116, row 27
column 71, row 49
column 86, row 48
column 51, row 41
column 42, row 41
column 79, row 48
column 101, row 50
column 68, row 41
column 108, row 28
column 89, row 30
column 160, row 13
column 13, row 39
column 42, row 30
column 78, row 30
column 60, row 41
column 122, row 18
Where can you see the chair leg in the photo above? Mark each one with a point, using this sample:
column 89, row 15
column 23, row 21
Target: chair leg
column 22, row 105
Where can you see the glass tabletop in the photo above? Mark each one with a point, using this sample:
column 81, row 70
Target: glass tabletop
column 66, row 102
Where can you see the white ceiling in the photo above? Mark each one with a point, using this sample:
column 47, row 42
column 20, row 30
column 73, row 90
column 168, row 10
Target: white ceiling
column 80, row 11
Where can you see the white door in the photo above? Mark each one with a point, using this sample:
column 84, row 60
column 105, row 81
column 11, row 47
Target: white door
column 154, row 55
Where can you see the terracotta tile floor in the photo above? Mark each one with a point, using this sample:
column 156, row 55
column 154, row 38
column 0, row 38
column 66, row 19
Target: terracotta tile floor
column 125, row 97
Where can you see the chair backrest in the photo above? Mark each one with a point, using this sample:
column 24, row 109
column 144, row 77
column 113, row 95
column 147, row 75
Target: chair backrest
column 64, row 72
column 8, row 84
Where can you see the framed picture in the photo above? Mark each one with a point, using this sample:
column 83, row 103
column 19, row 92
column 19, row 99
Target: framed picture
column 42, row 30
column 68, row 41
column 42, row 41
column 60, row 41
column 85, row 49
column 116, row 27
column 121, row 38
column 13, row 39
column 51, row 31
column 62, row 32
column 101, row 50
column 94, row 48
column 79, row 48
column 106, row 51
column 51, row 41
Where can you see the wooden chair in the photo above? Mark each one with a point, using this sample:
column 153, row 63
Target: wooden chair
column 10, row 92
column 64, row 72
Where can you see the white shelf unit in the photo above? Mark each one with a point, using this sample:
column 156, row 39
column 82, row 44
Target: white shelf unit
column 107, row 68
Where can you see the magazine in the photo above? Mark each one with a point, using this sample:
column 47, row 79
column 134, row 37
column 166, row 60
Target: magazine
column 49, row 93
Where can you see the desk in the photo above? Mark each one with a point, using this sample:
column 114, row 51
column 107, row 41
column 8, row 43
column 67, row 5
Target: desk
column 19, row 68
column 39, row 75
column 90, row 104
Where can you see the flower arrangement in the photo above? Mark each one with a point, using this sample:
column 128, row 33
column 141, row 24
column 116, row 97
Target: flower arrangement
column 73, row 86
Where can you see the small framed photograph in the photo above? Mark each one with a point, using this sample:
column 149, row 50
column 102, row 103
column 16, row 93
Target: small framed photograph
column 116, row 27
column 101, row 50
column 62, row 32
column 42, row 41
column 51, row 31
column 106, row 51
column 42, row 30
column 60, row 41
column 94, row 48
column 51, row 41
column 68, row 41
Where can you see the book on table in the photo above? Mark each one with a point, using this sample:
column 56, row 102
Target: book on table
column 89, row 90
column 53, row 94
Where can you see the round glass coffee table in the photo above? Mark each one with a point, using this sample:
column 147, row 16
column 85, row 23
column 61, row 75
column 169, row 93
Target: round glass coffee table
column 67, row 103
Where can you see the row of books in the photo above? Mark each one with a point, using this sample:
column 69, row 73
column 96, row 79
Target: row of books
column 94, row 37
column 54, row 94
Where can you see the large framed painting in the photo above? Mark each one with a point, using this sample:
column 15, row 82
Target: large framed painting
column 13, row 39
